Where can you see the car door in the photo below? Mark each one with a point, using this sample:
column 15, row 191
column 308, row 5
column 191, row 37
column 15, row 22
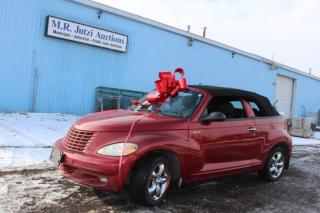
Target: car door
column 265, row 131
column 228, row 146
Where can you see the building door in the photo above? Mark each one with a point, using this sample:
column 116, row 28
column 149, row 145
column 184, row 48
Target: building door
column 284, row 95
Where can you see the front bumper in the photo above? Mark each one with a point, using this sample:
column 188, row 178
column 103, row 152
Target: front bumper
column 89, row 168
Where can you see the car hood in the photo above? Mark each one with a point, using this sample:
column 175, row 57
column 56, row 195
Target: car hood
column 122, row 120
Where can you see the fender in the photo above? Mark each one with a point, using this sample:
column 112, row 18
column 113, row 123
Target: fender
column 176, row 142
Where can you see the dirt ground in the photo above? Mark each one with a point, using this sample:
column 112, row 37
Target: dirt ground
column 45, row 190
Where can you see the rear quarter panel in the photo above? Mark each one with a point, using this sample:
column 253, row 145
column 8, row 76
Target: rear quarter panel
column 271, row 131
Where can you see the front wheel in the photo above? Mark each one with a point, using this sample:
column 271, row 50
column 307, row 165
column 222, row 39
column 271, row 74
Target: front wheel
column 150, row 180
column 275, row 165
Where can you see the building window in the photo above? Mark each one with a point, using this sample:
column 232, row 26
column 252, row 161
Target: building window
column 112, row 98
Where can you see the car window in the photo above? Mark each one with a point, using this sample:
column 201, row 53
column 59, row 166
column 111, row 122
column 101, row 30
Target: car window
column 231, row 107
column 258, row 112
column 237, row 104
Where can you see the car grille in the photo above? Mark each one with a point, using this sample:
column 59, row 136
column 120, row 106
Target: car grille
column 77, row 140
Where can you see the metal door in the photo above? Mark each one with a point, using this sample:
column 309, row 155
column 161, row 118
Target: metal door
column 284, row 95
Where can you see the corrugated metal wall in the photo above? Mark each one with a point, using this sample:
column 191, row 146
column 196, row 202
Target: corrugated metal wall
column 69, row 72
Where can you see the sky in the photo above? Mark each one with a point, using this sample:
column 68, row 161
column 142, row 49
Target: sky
column 287, row 31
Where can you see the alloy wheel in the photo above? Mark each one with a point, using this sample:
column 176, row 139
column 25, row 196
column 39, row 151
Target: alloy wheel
column 276, row 165
column 159, row 181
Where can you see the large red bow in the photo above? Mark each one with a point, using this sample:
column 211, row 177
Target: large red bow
column 167, row 86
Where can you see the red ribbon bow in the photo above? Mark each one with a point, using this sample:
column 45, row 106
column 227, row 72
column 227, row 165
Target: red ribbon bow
column 167, row 86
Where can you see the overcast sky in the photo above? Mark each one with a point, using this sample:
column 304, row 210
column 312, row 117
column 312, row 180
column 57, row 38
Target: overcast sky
column 289, row 28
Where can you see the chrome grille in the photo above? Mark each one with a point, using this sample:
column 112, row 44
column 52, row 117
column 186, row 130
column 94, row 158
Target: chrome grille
column 77, row 140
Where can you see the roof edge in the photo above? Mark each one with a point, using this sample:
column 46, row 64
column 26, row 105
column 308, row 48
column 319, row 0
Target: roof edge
column 178, row 31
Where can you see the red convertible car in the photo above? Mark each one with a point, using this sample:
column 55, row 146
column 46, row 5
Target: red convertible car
column 199, row 134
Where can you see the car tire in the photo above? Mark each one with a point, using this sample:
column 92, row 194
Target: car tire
column 275, row 165
column 150, row 180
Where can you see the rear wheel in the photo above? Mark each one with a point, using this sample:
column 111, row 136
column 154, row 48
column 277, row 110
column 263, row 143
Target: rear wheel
column 150, row 180
column 275, row 165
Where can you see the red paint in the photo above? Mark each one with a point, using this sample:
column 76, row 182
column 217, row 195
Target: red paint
column 125, row 142
column 248, row 109
column 204, row 151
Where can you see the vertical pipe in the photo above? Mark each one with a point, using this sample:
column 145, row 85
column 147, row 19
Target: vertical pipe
column 101, row 103
column 35, row 90
column 204, row 32
column 119, row 100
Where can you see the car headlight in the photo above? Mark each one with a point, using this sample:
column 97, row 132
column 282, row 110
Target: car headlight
column 118, row 149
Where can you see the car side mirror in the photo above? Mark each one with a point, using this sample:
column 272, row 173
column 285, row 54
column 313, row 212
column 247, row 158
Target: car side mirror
column 214, row 116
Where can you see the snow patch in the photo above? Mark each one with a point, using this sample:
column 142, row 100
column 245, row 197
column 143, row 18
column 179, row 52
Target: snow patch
column 3, row 187
column 33, row 129
column 305, row 141
column 26, row 138
column 15, row 158
column 316, row 135
column 23, row 191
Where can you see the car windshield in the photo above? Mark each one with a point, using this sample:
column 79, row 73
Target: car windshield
column 182, row 105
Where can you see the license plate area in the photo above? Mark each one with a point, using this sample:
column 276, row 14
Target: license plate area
column 56, row 156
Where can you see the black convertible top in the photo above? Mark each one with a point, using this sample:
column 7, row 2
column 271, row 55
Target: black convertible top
column 262, row 101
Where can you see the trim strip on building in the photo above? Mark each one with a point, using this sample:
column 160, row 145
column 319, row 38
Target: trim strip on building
column 171, row 29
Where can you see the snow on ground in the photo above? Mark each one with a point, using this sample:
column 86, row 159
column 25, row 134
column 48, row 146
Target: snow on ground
column 26, row 138
column 315, row 140
column 26, row 188
column 316, row 135
column 45, row 190
column 28, row 183
column 12, row 159
column 305, row 141
column 33, row 129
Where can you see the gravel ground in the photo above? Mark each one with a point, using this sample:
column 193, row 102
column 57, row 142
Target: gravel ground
column 45, row 190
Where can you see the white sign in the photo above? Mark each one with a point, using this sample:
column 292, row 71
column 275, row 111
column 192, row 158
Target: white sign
column 64, row 29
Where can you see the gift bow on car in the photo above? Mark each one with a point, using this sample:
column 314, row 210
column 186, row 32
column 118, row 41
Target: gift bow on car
column 167, row 86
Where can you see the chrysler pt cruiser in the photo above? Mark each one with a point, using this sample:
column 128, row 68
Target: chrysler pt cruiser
column 196, row 135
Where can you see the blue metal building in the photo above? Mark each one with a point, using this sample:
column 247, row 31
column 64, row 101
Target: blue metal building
column 42, row 73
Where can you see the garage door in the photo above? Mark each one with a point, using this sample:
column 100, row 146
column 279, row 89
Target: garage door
column 284, row 95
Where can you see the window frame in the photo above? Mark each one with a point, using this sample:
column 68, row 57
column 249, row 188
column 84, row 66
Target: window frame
column 244, row 102
column 261, row 109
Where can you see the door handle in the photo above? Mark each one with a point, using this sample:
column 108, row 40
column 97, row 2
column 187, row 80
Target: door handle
column 252, row 129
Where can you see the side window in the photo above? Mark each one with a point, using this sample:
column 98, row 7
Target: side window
column 256, row 109
column 231, row 107
column 237, row 104
column 238, row 109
